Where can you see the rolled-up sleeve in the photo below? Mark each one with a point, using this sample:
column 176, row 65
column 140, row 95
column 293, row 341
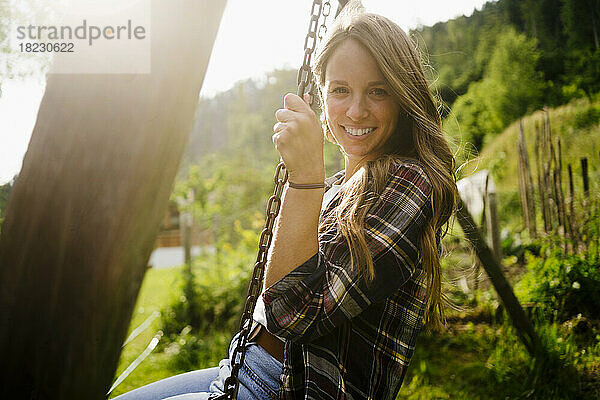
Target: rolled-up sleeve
column 327, row 290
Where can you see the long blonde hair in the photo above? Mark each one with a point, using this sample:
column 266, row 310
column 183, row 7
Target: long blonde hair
column 398, row 60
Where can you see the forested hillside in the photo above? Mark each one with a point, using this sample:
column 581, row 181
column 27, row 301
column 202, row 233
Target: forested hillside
column 4, row 192
column 510, row 58
column 565, row 32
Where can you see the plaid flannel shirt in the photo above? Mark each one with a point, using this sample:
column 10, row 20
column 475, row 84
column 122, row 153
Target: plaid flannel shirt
column 344, row 340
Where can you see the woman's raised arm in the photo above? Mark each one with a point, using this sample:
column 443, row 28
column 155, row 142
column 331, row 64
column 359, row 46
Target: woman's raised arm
column 299, row 139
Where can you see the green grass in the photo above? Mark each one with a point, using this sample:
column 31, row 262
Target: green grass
column 158, row 288
column 450, row 365
column 480, row 361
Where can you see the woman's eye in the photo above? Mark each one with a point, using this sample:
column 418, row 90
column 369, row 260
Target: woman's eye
column 340, row 90
column 379, row 92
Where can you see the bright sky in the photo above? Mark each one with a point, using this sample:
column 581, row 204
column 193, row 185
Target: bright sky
column 254, row 37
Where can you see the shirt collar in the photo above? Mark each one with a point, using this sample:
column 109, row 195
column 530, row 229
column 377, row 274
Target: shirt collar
column 335, row 179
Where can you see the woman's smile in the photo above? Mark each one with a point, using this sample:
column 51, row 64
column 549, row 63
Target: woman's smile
column 358, row 131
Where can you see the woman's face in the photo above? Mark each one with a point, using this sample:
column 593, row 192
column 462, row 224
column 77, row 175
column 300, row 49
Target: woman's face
column 361, row 112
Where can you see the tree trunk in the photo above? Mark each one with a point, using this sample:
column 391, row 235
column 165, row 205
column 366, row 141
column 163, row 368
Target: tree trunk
column 85, row 210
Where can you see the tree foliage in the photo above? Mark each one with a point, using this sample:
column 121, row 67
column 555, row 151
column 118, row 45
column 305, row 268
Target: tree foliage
column 4, row 193
column 510, row 87
column 511, row 57
column 512, row 70
column 16, row 63
column 566, row 32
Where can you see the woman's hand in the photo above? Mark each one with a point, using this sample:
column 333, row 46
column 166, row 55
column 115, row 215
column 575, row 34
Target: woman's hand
column 299, row 139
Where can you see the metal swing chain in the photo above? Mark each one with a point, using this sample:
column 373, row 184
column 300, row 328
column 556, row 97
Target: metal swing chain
column 315, row 31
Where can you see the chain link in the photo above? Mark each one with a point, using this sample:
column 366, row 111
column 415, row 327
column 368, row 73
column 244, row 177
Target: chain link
column 325, row 11
column 310, row 42
column 281, row 176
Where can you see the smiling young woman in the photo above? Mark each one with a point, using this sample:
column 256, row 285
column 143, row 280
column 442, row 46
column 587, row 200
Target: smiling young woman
column 354, row 274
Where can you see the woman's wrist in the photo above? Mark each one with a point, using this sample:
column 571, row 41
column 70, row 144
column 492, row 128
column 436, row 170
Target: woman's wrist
column 307, row 178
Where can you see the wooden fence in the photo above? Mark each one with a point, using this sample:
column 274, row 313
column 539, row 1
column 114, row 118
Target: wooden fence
column 561, row 219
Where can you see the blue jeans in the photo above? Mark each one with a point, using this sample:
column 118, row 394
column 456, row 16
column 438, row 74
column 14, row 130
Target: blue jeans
column 259, row 379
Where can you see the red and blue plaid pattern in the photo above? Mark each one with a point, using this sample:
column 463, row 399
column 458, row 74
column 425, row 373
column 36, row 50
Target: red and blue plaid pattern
column 344, row 340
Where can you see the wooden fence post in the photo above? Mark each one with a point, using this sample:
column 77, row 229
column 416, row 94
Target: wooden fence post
column 561, row 198
column 571, row 189
column 584, row 177
column 586, row 203
column 540, row 173
column 526, row 184
column 572, row 215
column 85, row 210
column 549, row 173
column 492, row 223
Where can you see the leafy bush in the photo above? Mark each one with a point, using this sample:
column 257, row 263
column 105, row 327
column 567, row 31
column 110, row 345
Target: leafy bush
column 510, row 212
column 198, row 325
column 563, row 285
column 226, row 191
column 589, row 117
column 189, row 352
column 217, row 296
column 222, row 290
column 184, row 351
column 549, row 376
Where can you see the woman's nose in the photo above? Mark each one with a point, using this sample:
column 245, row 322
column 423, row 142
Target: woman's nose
column 357, row 109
